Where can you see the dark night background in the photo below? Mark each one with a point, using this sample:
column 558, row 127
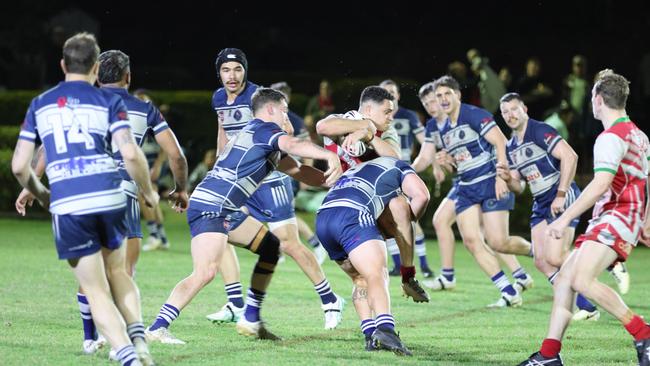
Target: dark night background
column 173, row 48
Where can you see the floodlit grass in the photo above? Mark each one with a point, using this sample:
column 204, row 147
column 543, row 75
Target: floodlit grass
column 40, row 322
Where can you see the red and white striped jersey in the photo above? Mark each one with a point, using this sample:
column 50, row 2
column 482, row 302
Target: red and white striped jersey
column 623, row 150
column 347, row 160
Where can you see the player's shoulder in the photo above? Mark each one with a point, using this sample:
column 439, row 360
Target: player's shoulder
column 351, row 115
column 219, row 97
column 475, row 113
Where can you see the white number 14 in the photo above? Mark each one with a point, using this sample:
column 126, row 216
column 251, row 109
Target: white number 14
column 77, row 132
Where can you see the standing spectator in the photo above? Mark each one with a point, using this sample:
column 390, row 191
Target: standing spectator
column 536, row 94
column 318, row 107
column 561, row 119
column 576, row 87
column 490, row 87
column 468, row 91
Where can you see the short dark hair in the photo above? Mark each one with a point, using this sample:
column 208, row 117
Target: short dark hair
column 263, row 96
column 113, row 65
column 388, row 82
column 509, row 97
column 376, row 94
column 282, row 86
column 614, row 89
column 80, row 53
column 426, row 89
column 447, row 81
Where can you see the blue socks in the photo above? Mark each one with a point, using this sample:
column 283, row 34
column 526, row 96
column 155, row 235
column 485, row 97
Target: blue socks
column 168, row 313
column 448, row 273
column 325, row 292
column 368, row 327
column 385, row 321
column 501, row 282
column 234, row 293
column 253, row 304
column 90, row 332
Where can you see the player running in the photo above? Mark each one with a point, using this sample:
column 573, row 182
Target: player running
column 346, row 224
column 618, row 193
column 217, row 215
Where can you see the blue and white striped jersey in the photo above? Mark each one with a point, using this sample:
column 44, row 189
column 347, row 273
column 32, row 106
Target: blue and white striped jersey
column 474, row 156
column 369, row 186
column 407, row 125
column 143, row 117
column 533, row 160
column 75, row 120
column 432, row 133
column 247, row 159
column 234, row 117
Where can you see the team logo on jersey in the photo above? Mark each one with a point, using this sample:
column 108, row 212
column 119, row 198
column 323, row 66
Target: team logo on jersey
column 61, row 102
column 220, row 116
column 548, row 137
column 529, row 152
column 461, row 134
column 237, row 115
column 398, row 125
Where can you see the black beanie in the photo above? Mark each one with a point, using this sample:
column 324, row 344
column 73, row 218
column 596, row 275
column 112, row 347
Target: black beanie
column 232, row 54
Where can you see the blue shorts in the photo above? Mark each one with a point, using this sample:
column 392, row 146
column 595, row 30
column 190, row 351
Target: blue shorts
column 78, row 236
column 133, row 228
column 341, row 229
column 542, row 210
column 482, row 193
column 214, row 222
column 452, row 195
column 272, row 201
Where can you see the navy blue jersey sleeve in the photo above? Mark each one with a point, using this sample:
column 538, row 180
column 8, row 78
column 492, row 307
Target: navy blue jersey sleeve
column 405, row 168
column 545, row 136
column 155, row 120
column 430, row 129
column 480, row 120
column 28, row 130
column 118, row 116
column 268, row 133
column 414, row 122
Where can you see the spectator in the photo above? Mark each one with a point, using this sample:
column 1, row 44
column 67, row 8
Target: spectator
column 490, row 87
column 318, row 107
column 199, row 172
column 536, row 94
column 577, row 88
column 468, row 90
column 561, row 119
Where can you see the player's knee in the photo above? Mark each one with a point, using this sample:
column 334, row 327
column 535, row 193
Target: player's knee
column 472, row 243
column 268, row 248
column 553, row 260
column 290, row 247
column 581, row 283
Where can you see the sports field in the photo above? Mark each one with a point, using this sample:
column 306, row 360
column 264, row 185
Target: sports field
column 41, row 326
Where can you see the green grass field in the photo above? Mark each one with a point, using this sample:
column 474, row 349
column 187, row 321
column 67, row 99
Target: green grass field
column 41, row 326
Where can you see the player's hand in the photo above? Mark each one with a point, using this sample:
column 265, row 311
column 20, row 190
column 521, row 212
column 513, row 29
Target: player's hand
column 503, row 171
column 556, row 229
column 334, row 170
column 179, row 200
column 500, row 188
column 350, row 141
column 371, row 127
column 438, row 174
column 557, row 206
column 25, row 198
column 151, row 198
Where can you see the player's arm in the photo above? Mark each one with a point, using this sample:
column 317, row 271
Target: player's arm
column 389, row 147
column 420, row 137
column 426, row 157
column 26, row 198
column 418, row 194
column 568, row 165
column 22, row 170
column 512, row 179
column 589, row 196
column 306, row 149
column 334, row 126
column 496, row 138
column 178, row 165
column 645, row 233
column 135, row 164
